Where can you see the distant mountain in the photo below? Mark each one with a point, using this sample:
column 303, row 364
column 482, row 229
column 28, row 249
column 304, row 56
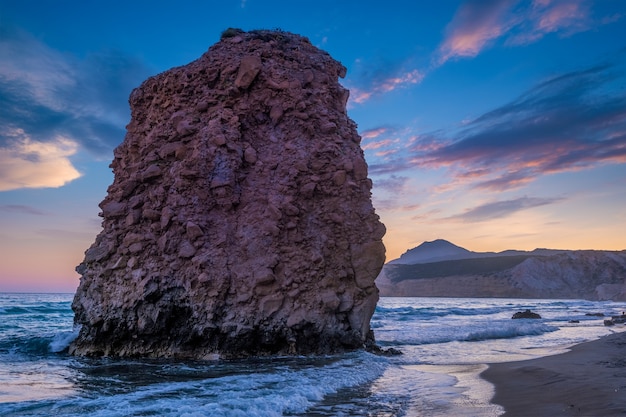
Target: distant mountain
column 442, row 250
column 433, row 251
column 442, row 269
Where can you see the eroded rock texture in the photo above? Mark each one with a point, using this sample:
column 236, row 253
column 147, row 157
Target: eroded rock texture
column 239, row 221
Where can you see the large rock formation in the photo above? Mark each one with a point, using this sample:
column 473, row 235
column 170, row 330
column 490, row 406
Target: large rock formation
column 441, row 269
column 240, row 219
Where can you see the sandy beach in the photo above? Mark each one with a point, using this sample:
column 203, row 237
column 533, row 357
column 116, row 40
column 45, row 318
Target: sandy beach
column 588, row 380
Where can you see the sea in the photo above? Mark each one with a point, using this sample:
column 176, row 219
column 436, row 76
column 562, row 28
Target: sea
column 445, row 343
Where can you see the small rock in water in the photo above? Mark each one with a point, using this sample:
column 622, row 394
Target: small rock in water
column 527, row 314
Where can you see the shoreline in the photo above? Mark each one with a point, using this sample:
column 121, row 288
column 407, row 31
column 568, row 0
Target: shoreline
column 588, row 380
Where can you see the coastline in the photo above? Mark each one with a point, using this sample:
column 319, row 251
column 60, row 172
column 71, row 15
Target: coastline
column 588, row 380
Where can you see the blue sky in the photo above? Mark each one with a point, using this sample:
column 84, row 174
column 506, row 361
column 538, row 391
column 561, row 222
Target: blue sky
column 493, row 124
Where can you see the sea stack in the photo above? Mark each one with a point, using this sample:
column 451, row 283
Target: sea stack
column 240, row 220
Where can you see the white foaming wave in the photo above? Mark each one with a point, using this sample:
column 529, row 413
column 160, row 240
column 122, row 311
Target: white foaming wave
column 62, row 340
column 286, row 391
column 436, row 390
column 497, row 329
column 510, row 331
column 432, row 312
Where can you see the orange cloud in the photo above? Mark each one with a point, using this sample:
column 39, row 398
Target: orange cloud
column 31, row 164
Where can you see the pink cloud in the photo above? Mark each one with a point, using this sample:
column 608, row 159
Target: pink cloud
column 379, row 144
column 565, row 124
column 561, row 15
column 359, row 96
column 478, row 24
column 474, row 26
column 424, row 144
column 506, row 167
column 390, row 84
column 373, row 133
column 550, row 16
column 386, row 85
column 386, row 152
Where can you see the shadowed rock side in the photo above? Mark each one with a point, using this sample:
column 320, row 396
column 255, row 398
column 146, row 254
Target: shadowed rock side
column 240, row 219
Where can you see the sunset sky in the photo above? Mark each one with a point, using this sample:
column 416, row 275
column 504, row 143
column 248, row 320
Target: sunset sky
column 492, row 124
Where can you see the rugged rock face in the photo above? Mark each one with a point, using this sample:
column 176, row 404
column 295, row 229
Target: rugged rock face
column 240, row 220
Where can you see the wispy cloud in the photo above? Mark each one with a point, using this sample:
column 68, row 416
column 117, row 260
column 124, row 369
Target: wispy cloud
column 22, row 209
column 501, row 209
column 378, row 144
column 385, row 83
column 553, row 16
column 569, row 122
column 383, row 147
column 475, row 24
column 478, row 24
column 58, row 103
column 374, row 133
column 574, row 121
column 393, row 205
column 394, row 184
column 390, row 166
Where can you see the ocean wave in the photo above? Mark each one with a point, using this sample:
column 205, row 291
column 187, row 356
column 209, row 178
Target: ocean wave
column 508, row 332
column 29, row 346
column 287, row 390
column 37, row 345
column 47, row 308
column 62, row 340
column 408, row 312
column 482, row 331
column 428, row 331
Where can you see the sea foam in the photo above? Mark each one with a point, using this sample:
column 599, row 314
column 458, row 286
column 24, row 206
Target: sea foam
column 62, row 340
column 268, row 392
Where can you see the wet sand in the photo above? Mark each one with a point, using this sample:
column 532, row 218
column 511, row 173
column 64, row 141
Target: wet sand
column 589, row 380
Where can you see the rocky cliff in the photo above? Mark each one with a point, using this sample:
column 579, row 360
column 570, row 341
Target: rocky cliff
column 239, row 221
column 543, row 273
